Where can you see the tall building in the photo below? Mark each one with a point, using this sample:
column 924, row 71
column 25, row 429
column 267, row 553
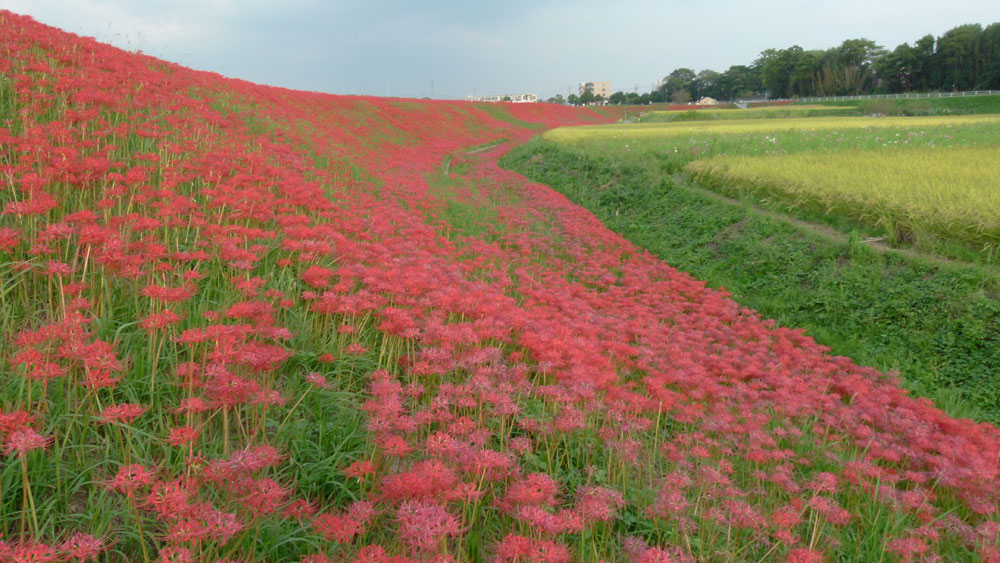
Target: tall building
column 601, row 89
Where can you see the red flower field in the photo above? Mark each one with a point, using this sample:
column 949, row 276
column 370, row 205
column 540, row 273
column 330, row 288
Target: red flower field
column 242, row 323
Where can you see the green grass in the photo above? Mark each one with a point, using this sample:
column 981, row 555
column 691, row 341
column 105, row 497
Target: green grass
column 936, row 324
column 922, row 106
column 752, row 113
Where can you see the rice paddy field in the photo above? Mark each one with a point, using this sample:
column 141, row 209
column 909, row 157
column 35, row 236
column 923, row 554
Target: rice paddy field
column 907, row 176
column 749, row 113
column 948, row 192
column 804, row 133
column 244, row 323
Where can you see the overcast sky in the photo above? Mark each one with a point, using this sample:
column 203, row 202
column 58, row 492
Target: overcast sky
column 403, row 47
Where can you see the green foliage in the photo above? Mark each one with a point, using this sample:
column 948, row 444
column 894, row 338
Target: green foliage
column 966, row 57
column 938, row 325
column 965, row 105
column 757, row 113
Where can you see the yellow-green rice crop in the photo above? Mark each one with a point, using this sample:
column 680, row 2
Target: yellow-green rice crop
column 729, row 127
column 951, row 192
column 668, row 147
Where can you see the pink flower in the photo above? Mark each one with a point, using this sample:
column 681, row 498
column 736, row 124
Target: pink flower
column 598, row 503
column 181, row 435
column 130, row 478
column 25, row 440
column 340, row 529
column 82, row 547
column 359, row 469
column 317, row 379
column 907, row 548
column 803, row 555
column 121, row 413
column 424, row 525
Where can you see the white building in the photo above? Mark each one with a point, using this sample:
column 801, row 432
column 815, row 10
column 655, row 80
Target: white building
column 599, row 89
column 516, row 98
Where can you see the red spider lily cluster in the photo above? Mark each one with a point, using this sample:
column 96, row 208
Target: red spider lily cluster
column 192, row 265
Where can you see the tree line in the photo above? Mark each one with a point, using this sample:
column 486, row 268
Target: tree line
column 966, row 57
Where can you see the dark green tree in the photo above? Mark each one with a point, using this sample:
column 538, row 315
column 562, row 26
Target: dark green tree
column 705, row 84
column 777, row 68
column 740, row 81
column 957, row 52
column 805, row 73
column 989, row 53
column 678, row 81
column 894, row 70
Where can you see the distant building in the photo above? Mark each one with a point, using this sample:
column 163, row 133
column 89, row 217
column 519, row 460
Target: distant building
column 516, row 98
column 600, row 89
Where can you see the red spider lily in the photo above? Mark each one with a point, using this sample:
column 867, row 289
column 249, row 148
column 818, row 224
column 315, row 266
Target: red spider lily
column 130, row 478
column 157, row 321
column 16, row 420
column 317, row 276
column 803, row 555
column 655, row 555
column 598, row 503
column 187, row 530
column 552, row 524
column 537, row 489
column 222, row 526
column 33, row 552
column 359, row 469
column 9, row 238
column 263, row 496
column 907, row 549
column 168, row 498
column 24, row 440
column 355, row 348
column 340, row 529
column 174, row 554
column 424, row 525
column 182, row 435
column 299, row 509
column 317, row 379
column 121, row 413
column 516, row 548
column 82, row 547
column 168, row 294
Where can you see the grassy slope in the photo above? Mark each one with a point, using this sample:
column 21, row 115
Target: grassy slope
column 924, row 106
column 542, row 327
column 937, row 325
